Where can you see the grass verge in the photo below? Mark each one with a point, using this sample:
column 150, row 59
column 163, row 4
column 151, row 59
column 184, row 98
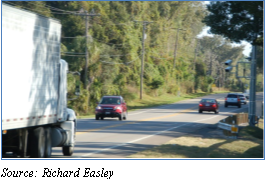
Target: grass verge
column 248, row 145
column 150, row 101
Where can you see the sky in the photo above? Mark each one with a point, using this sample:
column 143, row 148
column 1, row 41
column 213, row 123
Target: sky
column 247, row 48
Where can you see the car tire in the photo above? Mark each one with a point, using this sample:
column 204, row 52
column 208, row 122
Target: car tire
column 97, row 118
column 239, row 106
column 125, row 116
column 120, row 117
column 102, row 118
column 200, row 111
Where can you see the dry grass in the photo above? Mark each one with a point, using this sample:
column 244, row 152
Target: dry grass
column 249, row 145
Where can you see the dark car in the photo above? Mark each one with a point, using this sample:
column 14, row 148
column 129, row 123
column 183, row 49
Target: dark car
column 111, row 106
column 209, row 104
column 233, row 99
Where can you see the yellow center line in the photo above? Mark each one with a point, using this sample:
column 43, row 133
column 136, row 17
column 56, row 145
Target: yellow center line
column 148, row 119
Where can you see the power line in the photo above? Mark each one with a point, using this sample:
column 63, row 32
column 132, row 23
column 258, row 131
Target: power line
column 53, row 8
column 72, row 37
column 23, row 7
column 84, row 54
column 48, row 8
column 101, row 41
column 73, row 55
column 73, row 52
column 126, row 63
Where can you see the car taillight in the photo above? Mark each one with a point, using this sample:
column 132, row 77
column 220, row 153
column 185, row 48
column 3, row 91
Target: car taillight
column 226, row 99
column 200, row 104
column 238, row 99
column 214, row 105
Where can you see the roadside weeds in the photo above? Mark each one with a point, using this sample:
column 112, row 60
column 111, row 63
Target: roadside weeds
column 210, row 142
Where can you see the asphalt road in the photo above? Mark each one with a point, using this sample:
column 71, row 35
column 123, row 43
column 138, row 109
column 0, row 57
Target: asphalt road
column 146, row 128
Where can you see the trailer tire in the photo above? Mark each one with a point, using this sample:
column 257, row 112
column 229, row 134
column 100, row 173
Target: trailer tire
column 37, row 143
column 48, row 143
column 68, row 150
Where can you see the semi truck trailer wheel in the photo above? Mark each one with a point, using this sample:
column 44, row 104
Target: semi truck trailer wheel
column 48, row 143
column 37, row 143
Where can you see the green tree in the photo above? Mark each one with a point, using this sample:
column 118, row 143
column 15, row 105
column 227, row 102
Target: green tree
column 34, row 6
column 237, row 20
column 115, row 47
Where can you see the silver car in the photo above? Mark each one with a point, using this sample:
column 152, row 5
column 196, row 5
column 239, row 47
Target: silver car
column 243, row 98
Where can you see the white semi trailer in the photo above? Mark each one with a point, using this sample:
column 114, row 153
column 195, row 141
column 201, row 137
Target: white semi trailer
column 35, row 116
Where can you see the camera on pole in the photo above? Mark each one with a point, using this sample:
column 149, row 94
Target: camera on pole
column 228, row 62
column 229, row 68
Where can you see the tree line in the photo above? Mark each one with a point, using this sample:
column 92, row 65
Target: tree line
column 114, row 45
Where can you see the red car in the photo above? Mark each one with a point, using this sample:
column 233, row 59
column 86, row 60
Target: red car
column 209, row 104
column 111, row 106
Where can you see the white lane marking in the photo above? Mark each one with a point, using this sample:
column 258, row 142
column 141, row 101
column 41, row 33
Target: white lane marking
column 130, row 114
column 136, row 140
column 150, row 110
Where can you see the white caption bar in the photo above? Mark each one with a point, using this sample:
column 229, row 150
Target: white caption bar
column 117, row 171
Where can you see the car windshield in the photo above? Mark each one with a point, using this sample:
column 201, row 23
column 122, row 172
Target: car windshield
column 110, row 101
column 207, row 101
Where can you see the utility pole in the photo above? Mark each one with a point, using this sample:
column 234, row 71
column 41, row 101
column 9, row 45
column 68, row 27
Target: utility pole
column 195, row 57
column 252, row 93
column 253, row 74
column 142, row 61
column 194, row 65
column 211, row 64
column 175, row 54
column 176, row 46
column 85, row 13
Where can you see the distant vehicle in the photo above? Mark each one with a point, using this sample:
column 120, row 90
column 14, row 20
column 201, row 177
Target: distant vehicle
column 209, row 104
column 233, row 99
column 246, row 93
column 243, row 98
column 111, row 106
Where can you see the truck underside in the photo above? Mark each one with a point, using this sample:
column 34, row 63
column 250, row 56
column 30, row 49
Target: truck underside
column 37, row 142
